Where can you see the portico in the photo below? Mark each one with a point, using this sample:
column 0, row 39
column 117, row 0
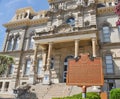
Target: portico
column 51, row 43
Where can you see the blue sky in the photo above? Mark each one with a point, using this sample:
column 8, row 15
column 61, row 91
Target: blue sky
column 8, row 8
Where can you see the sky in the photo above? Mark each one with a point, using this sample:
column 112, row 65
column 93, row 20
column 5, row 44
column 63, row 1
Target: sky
column 9, row 7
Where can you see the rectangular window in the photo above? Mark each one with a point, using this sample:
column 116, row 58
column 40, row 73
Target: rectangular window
column 1, row 83
column 39, row 69
column 16, row 44
column 27, row 69
column 6, row 86
column 106, row 34
column 31, row 42
column 11, row 69
column 109, row 64
column 10, row 44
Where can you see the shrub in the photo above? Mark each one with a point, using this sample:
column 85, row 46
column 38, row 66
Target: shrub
column 115, row 93
column 90, row 95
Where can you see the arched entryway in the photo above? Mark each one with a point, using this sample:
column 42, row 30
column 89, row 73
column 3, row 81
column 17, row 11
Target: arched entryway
column 66, row 66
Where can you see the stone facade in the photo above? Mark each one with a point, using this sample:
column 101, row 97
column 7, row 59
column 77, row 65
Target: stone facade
column 43, row 42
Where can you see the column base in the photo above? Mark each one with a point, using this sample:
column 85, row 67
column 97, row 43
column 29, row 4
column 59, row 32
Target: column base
column 46, row 79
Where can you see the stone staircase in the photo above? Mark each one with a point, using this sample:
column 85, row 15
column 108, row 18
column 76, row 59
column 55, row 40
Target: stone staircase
column 55, row 90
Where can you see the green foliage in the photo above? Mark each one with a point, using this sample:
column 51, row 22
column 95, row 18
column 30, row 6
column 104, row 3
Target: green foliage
column 4, row 62
column 115, row 93
column 90, row 95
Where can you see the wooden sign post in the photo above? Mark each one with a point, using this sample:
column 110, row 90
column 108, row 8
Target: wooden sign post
column 85, row 72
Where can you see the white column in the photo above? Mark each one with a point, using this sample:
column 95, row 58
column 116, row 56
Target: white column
column 49, row 55
column 94, row 47
column 76, row 47
column 44, row 59
column 47, row 74
column 35, row 62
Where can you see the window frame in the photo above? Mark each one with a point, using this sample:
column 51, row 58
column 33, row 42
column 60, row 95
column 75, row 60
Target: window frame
column 27, row 67
column 106, row 35
column 31, row 42
column 16, row 43
column 39, row 66
column 10, row 44
column 108, row 64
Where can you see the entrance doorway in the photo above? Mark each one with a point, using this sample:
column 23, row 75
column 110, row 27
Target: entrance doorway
column 66, row 66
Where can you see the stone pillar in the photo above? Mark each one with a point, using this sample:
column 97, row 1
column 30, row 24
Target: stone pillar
column 94, row 47
column 47, row 74
column 76, row 47
column 44, row 59
column 33, row 70
column 49, row 56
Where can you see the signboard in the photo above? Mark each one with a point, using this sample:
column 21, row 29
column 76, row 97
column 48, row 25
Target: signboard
column 85, row 72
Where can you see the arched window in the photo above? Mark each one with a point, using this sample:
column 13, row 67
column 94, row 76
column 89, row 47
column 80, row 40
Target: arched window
column 66, row 66
column 27, row 67
column 39, row 66
column 31, row 42
column 16, row 43
column 10, row 44
column 109, row 64
column 106, row 33
column 71, row 21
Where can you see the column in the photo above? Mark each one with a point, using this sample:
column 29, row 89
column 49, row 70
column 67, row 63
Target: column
column 76, row 47
column 49, row 55
column 44, row 58
column 94, row 47
column 33, row 70
column 47, row 74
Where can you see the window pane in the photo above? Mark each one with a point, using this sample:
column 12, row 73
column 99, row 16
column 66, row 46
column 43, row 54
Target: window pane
column 10, row 44
column 27, row 70
column 71, row 21
column 108, row 57
column 11, row 68
column 109, row 70
column 31, row 43
column 16, row 45
column 106, row 34
column 108, row 61
column 52, row 63
column 39, row 69
column 109, row 66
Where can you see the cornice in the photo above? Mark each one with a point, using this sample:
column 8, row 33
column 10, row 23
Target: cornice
column 25, row 22
column 65, row 34
column 105, row 10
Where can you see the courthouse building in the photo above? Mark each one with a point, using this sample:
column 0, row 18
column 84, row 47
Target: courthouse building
column 43, row 42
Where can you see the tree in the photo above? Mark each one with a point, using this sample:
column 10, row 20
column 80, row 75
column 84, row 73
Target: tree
column 5, row 61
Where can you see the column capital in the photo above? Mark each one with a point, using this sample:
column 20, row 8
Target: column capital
column 94, row 39
column 50, row 43
column 76, row 40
